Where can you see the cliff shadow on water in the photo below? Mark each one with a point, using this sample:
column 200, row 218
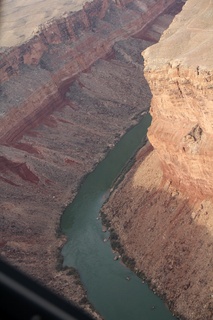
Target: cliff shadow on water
column 164, row 237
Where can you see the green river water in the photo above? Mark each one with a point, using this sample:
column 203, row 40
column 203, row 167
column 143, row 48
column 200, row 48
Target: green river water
column 105, row 280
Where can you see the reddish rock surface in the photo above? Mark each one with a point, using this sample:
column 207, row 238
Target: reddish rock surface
column 180, row 73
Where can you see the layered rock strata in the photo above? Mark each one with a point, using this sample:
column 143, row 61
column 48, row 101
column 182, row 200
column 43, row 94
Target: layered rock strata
column 180, row 73
column 163, row 210
column 40, row 70
column 50, row 139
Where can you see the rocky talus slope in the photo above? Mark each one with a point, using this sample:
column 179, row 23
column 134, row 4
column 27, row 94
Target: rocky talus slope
column 67, row 95
column 163, row 210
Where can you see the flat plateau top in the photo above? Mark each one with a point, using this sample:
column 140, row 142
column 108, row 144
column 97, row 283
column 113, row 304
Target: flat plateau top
column 188, row 40
column 18, row 18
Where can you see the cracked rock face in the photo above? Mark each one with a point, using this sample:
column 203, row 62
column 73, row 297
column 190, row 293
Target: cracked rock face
column 179, row 70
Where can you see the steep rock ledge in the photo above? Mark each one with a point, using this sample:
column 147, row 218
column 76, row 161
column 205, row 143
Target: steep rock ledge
column 179, row 70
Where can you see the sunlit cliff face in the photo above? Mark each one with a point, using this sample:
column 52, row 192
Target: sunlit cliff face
column 179, row 70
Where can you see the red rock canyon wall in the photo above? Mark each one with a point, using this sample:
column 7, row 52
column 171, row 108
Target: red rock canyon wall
column 179, row 70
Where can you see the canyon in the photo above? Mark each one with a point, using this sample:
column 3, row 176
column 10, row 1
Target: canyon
column 67, row 95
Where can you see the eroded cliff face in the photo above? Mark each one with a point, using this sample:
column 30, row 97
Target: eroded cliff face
column 179, row 70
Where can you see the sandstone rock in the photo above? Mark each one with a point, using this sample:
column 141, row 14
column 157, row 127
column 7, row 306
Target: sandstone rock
column 179, row 70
